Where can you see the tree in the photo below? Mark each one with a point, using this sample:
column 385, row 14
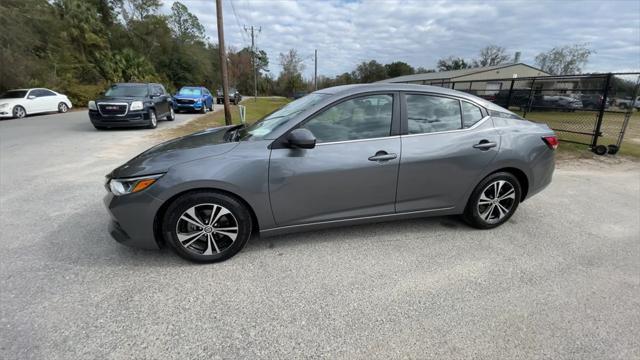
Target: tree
column 290, row 79
column 491, row 55
column 398, row 68
column 139, row 9
column 422, row 70
column 184, row 24
column 568, row 59
column 371, row 71
column 452, row 63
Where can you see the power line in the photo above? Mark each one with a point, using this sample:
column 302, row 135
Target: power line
column 235, row 15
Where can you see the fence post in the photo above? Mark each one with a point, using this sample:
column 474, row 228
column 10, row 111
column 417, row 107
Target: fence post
column 509, row 97
column 528, row 108
column 597, row 130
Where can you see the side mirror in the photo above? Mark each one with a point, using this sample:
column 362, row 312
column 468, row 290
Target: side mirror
column 302, row 139
column 31, row 97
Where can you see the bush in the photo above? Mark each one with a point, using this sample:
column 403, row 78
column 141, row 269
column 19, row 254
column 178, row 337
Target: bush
column 80, row 94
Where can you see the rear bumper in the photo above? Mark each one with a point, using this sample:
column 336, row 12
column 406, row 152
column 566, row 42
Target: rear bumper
column 131, row 119
column 132, row 219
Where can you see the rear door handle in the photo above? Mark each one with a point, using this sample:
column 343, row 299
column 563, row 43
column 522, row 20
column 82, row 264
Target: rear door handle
column 485, row 145
column 382, row 156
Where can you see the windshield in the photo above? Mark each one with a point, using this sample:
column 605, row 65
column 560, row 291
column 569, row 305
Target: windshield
column 127, row 90
column 14, row 94
column 190, row 91
column 271, row 122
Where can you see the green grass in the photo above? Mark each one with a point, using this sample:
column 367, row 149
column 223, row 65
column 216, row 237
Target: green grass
column 584, row 121
column 255, row 110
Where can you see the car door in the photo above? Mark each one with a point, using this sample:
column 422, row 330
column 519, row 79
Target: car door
column 36, row 102
column 160, row 99
column 446, row 143
column 50, row 100
column 207, row 98
column 352, row 171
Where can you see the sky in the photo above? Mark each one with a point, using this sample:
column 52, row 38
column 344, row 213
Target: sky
column 345, row 33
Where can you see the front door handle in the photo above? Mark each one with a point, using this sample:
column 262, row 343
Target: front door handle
column 382, row 156
column 485, row 145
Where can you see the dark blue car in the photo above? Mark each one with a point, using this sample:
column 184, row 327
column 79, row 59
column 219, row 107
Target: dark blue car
column 193, row 98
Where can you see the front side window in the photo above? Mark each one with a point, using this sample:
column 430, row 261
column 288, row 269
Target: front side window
column 471, row 114
column 428, row 114
column 361, row 118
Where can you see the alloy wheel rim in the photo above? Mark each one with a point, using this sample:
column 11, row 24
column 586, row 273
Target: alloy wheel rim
column 20, row 112
column 172, row 113
column 154, row 120
column 63, row 108
column 496, row 201
column 207, row 229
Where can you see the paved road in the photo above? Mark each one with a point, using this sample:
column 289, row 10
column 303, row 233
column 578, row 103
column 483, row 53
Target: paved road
column 561, row 280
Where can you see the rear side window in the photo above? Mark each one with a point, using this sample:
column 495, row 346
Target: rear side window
column 471, row 114
column 428, row 114
column 365, row 117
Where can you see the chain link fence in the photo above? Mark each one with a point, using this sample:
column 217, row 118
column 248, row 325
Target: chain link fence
column 595, row 110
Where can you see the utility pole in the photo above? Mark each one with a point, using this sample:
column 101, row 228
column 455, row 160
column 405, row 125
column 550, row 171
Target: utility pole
column 315, row 71
column 223, row 63
column 253, row 61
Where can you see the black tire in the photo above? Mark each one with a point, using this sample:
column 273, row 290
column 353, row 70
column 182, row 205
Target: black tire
column 203, row 109
column 63, row 108
column 600, row 150
column 172, row 115
column 474, row 214
column 153, row 120
column 19, row 112
column 195, row 249
column 612, row 149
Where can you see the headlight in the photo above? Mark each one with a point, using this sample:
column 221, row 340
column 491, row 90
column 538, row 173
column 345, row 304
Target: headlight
column 132, row 185
column 136, row 105
column 3, row 106
column 92, row 105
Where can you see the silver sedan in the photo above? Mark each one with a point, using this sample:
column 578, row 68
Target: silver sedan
column 339, row 156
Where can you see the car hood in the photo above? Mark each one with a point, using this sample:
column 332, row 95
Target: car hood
column 123, row 99
column 158, row 159
column 180, row 96
column 12, row 101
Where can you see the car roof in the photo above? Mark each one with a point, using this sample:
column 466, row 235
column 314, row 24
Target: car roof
column 354, row 89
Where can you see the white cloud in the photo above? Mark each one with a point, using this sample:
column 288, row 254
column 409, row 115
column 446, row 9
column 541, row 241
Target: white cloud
column 420, row 32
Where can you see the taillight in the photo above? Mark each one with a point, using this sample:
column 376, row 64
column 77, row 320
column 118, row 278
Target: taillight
column 551, row 141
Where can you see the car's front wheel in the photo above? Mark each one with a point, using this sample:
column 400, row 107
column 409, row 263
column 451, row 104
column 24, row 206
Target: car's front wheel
column 493, row 201
column 172, row 114
column 153, row 120
column 19, row 112
column 206, row 226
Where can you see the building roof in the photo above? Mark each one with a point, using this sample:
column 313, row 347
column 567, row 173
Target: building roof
column 452, row 73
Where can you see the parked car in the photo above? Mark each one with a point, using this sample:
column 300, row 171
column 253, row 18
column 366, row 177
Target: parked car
column 194, row 98
column 627, row 103
column 131, row 105
column 592, row 101
column 339, row 156
column 22, row 102
column 234, row 96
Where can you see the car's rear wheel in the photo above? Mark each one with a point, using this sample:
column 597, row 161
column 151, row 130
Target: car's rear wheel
column 207, row 226
column 19, row 112
column 63, row 108
column 493, row 201
column 172, row 114
column 153, row 120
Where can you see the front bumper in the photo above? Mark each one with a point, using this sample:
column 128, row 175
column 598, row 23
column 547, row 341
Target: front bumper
column 131, row 119
column 133, row 219
column 196, row 107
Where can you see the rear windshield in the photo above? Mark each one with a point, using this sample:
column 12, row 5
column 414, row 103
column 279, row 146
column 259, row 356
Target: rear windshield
column 14, row 94
column 190, row 91
column 127, row 90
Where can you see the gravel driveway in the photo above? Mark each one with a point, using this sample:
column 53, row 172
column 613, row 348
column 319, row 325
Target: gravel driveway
column 561, row 280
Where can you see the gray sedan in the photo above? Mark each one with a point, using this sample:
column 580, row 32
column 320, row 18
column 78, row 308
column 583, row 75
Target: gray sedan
column 339, row 156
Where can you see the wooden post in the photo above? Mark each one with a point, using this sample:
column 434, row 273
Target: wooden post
column 223, row 63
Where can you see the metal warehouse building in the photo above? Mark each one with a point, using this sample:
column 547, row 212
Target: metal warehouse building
column 474, row 79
